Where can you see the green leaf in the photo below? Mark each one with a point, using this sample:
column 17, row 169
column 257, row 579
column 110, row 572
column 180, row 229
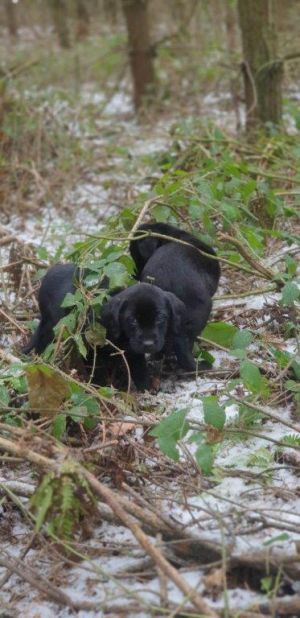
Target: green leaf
column 293, row 386
column 118, row 275
column 284, row 536
column 195, row 210
column 220, row 332
column 242, row 339
column 69, row 300
column 4, row 396
column 169, row 431
column 213, row 413
column 42, row 253
column 262, row 458
column 168, row 446
column 290, row 293
column 204, row 356
column 161, row 213
column 267, row 583
column 95, row 335
column 205, row 458
column 42, row 500
column 69, row 321
column 80, row 345
column 251, row 377
column 59, row 426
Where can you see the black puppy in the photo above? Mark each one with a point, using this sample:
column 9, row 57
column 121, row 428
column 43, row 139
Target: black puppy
column 143, row 319
column 182, row 270
column 57, row 282
column 139, row 320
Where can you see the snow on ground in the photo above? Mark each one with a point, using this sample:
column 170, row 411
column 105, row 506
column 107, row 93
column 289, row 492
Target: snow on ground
column 243, row 506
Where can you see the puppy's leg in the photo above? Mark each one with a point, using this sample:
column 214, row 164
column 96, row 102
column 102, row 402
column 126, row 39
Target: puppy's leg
column 139, row 370
column 183, row 350
column 43, row 335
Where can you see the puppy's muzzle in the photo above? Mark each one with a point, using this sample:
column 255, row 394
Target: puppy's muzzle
column 149, row 346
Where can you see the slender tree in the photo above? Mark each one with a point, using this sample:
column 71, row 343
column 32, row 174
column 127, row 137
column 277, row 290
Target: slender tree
column 11, row 18
column 59, row 15
column 262, row 70
column 140, row 51
column 83, row 19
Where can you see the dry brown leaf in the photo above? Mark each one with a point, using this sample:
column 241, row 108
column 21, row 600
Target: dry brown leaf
column 214, row 581
column 120, row 429
column 47, row 389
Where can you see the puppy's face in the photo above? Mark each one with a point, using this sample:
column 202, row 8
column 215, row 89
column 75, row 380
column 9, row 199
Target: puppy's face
column 143, row 315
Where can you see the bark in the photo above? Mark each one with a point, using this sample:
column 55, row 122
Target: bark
column 11, row 18
column 262, row 70
column 140, row 52
column 83, row 19
column 59, row 15
column 110, row 8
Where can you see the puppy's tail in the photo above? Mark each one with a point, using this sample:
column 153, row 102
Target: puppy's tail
column 40, row 339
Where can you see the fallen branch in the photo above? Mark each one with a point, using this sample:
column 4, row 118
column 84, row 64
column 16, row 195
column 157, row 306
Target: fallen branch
column 260, row 268
column 41, row 583
column 115, row 504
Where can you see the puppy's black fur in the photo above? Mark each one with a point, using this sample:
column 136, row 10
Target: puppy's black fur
column 185, row 272
column 57, row 282
column 140, row 320
column 143, row 319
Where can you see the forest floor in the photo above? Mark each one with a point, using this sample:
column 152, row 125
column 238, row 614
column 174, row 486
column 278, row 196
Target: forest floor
column 233, row 534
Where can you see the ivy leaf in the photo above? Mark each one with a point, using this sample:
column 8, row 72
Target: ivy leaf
column 220, row 332
column 70, row 300
column 251, row 377
column 290, row 293
column 205, row 458
column 69, row 321
column 59, row 426
column 169, row 431
column 118, row 275
column 242, row 339
column 213, row 413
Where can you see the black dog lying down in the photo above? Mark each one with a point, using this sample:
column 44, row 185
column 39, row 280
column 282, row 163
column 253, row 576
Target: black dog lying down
column 183, row 271
column 143, row 319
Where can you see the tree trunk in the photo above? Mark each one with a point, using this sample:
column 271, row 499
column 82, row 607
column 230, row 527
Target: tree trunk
column 234, row 81
column 262, row 70
column 83, row 20
column 140, row 53
column 10, row 9
column 59, row 14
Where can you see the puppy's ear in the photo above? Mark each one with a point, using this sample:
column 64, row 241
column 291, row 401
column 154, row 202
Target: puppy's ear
column 110, row 317
column 178, row 312
column 147, row 246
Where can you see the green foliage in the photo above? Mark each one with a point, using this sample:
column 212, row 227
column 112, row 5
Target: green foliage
column 290, row 293
column 291, row 440
column 169, row 431
column 205, row 458
column 262, row 458
column 62, row 500
column 284, row 536
column 220, row 332
column 251, row 377
column 214, row 414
